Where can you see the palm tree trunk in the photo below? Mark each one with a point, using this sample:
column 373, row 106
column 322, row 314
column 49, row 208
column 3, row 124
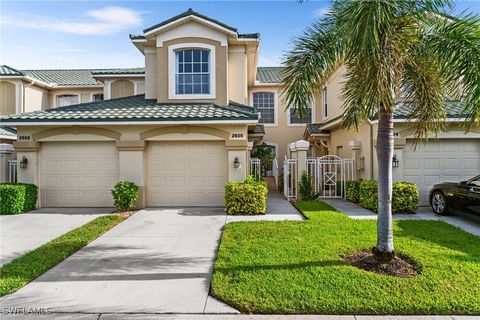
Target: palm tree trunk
column 384, row 248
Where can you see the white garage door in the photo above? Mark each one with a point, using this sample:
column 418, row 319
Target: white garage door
column 186, row 173
column 78, row 174
column 439, row 161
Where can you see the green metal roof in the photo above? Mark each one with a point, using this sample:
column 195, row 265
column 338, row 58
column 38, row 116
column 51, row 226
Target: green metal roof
column 8, row 132
column 454, row 109
column 137, row 108
column 6, row 71
column 61, row 77
column 119, row 71
column 258, row 129
column 269, row 74
column 187, row 13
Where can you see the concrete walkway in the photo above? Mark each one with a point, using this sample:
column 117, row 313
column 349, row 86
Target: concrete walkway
column 354, row 211
column 278, row 209
column 22, row 233
column 157, row 261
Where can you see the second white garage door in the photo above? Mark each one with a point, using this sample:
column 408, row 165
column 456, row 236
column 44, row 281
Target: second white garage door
column 186, row 173
column 78, row 174
column 439, row 161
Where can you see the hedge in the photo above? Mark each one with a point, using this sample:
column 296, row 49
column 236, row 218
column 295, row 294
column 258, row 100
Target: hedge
column 352, row 190
column 248, row 197
column 405, row 196
column 17, row 198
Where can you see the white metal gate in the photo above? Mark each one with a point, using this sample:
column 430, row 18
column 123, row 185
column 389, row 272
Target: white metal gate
column 290, row 178
column 329, row 173
column 12, row 171
column 255, row 166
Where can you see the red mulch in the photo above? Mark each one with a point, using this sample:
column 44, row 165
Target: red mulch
column 399, row 266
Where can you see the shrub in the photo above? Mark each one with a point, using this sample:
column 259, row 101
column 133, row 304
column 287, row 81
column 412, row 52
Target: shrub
column 352, row 190
column 405, row 197
column 368, row 194
column 305, row 187
column 125, row 195
column 17, row 198
column 248, row 197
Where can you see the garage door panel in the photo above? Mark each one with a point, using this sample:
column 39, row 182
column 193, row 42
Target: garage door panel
column 186, row 173
column 77, row 174
column 438, row 161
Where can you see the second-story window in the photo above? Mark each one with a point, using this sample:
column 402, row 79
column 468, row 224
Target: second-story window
column 325, row 103
column 296, row 119
column 97, row 97
column 265, row 104
column 192, row 74
column 67, row 99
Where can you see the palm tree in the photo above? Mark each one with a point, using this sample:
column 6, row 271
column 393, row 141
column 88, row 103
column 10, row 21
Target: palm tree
column 391, row 49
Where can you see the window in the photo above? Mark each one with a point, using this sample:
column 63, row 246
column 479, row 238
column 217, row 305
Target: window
column 67, row 99
column 295, row 116
column 265, row 104
column 325, row 103
column 97, row 97
column 192, row 71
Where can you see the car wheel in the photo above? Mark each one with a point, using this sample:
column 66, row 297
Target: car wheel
column 439, row 203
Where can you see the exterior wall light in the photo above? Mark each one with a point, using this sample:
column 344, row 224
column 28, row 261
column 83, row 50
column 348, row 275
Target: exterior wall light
column 23, row 163
column 236, row 163
column 395, row 161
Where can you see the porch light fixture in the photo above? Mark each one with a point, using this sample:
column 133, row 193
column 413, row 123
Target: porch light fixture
column 236, row 163
column 395, row 161
column 23, row 163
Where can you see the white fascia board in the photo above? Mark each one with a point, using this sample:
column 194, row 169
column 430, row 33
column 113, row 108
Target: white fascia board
column 7, row 137
column 94, row 86
column 263, row 84
column 415, row 120
column 121, row 123
column 213, row 25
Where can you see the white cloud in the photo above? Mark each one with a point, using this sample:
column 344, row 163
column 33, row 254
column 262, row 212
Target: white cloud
column 102, row 21
column 321, row 12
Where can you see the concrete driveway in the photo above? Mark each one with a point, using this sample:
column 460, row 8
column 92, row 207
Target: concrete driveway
column 22, row 233
column 157, row 261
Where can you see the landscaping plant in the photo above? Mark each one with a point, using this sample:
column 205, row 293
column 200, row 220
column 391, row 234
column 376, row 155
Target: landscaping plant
column 17, row 198
column 248, row 197
column 125, row 195
column 413, row 50
column 305, row 188
column 405, row 196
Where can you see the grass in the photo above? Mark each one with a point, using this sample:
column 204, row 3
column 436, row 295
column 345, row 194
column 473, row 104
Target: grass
column 296, row 267
column 26, row 268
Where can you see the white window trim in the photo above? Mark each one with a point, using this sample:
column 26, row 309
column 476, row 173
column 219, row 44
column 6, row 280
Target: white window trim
column 67, row 94
column 290, row 124
column 172, row 68
column 92, row 94
column 275, row 106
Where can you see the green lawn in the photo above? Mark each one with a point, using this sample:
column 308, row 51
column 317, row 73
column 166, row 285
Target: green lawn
column 295, row 267
column 24, row 269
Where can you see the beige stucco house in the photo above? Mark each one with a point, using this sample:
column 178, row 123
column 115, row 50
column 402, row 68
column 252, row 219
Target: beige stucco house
column 184, row 125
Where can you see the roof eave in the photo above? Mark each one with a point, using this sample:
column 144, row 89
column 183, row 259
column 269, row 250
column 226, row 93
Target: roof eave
column 138, row 122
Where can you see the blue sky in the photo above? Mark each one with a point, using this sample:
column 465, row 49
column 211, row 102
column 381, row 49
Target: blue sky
column 94, row 34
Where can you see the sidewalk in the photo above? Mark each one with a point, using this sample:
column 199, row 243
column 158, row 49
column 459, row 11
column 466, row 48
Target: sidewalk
column 354, row 211
column 278, row 209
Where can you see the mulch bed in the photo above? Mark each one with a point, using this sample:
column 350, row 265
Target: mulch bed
column 400, row 266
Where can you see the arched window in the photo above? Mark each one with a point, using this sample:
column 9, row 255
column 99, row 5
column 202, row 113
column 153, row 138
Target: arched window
column 192, row 71
column 67, row 99
column 265, row 104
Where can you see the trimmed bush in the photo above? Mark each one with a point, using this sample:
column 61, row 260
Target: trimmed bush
column 125, row 195
column 17, row 198
column 306, row 188
column 248, row 197
column 368, row 194
column 352, row 190
column 405, row 196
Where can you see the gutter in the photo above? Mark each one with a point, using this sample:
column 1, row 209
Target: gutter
column 121, row 123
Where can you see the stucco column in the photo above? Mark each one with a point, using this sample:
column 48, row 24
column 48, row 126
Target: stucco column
column 29, row 151
column 355, row 146
column 302, row 147
column 249, row 155
column 131, row 166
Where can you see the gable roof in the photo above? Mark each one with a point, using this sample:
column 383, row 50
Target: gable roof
column 7, row 71
column 269, row 74
column 137, row 109
column 185, row 14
